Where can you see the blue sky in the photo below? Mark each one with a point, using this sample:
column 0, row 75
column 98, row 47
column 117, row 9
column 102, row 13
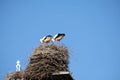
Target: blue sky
column 92, row 29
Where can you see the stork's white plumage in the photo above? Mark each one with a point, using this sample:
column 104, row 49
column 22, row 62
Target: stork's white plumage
column 46, row 39
column 58, row 37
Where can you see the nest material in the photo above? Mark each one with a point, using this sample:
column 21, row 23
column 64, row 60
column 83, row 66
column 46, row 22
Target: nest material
column 18, row 75
column 45, row 60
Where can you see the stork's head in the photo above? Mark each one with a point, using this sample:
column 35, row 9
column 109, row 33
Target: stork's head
column 53, row 40
column 41, row 40
column 18, row 62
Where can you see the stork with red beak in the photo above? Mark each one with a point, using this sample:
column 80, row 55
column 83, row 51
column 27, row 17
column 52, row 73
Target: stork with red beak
column 58, row 37
column 46, row 39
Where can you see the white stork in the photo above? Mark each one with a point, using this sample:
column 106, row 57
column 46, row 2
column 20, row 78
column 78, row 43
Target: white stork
column 46, row 39
column 18, row 65
column 58, row 37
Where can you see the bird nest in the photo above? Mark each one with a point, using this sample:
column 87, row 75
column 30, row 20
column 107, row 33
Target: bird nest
column 18, row 75
column 45, row 60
